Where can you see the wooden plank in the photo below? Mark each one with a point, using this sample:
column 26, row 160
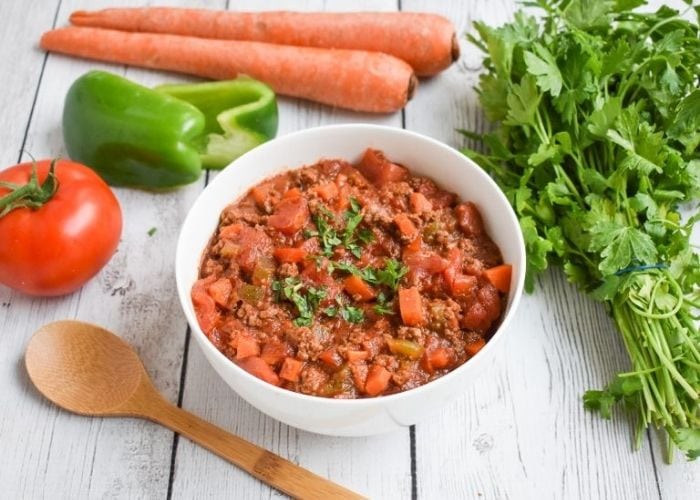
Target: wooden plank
column 378, row 467
column 48, row 452
column 522, row 432
column 21, row 65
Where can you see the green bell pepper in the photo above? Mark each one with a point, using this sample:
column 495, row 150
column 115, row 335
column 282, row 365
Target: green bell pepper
column 160, row 138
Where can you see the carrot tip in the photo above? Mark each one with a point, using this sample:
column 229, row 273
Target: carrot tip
column 412, row 84
column 455, row 47
column 78, row 15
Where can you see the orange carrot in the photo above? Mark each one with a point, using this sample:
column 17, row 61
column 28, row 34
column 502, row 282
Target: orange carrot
column 499, row 277
column 353, row 79
column 473, row 347
column 406, row 226
column 419, row 203
column 353, row 356
column 439, row 358
column 247, row 346
column 291, row 254
column 358, row 289
column 425, row 41
column 377, row 380
column 411, row 306
column 291, row 369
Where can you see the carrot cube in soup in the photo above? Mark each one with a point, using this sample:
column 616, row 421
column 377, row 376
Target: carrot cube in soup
column 292, row 194
column 358, row 288
column 247, row 346
column 378, row 379
column 500, row 276
column 289, row 254
column 331, row 358
column 290, row 215
column 419, row 203
column 258, row 368
column 411, row 306
column 291, row 369
column 475, row 346
column 439, row 358
column 354, row 356
column 378, row 169
column 406, row 226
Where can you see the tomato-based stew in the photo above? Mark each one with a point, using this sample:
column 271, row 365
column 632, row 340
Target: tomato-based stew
column 350, row 281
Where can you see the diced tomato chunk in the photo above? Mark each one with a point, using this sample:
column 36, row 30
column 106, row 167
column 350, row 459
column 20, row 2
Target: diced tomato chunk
column 247, row 346
column 326, row 191
column 411, row 306
column 204, row 305
column 291, row 369
column 378, row 379
column 430, row 262
column 469, row 219
column 258, row 368
column 500, row 276
column 290, row 254
column 290, row 215
column 220, row 291
column 274, row 351
column 406, row 226
column 482, row 312
column 463, row 284
column 359, row 375
column 252, row 244
column 419, row 203
column 261, row 193
column 378, row 170
column 358, row 288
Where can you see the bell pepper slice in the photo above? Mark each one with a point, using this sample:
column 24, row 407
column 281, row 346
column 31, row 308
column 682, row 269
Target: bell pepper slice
column 239, row 115
column 161, row 138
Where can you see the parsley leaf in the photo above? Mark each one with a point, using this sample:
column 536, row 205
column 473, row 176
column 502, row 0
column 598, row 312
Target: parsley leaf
column 306, row 301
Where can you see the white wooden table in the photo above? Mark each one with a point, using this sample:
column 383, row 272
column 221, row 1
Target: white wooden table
column 521, row 432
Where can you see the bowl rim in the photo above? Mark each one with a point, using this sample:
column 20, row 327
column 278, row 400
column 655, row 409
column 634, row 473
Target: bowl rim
column 185, row 296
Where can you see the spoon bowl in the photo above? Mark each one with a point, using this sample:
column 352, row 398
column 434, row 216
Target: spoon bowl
column 86, row 369
column 83, row 368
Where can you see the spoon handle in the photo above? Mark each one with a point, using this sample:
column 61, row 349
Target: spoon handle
column 266, row 466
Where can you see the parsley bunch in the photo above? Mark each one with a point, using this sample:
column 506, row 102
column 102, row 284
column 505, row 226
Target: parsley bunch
column 597, row 122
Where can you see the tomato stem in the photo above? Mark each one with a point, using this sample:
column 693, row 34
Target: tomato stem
column 29, row 195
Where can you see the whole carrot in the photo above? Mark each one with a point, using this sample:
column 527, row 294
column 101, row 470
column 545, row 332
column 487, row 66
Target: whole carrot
column 353, row 79
column 425, row 41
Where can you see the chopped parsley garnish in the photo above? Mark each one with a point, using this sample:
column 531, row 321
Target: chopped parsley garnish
column 349, row 313
column 390, row 275
column 383, row 306
column 306, row 299
column 351, row 238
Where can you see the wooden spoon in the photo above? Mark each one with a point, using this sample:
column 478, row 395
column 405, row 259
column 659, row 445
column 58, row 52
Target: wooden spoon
column 88, row 370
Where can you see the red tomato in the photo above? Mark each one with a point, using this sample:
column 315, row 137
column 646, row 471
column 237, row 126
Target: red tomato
column 56, row 248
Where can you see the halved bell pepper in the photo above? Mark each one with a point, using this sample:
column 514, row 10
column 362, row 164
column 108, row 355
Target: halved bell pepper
column 160, row 138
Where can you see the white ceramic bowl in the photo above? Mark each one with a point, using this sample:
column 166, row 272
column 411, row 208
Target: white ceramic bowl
column 423, row 156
